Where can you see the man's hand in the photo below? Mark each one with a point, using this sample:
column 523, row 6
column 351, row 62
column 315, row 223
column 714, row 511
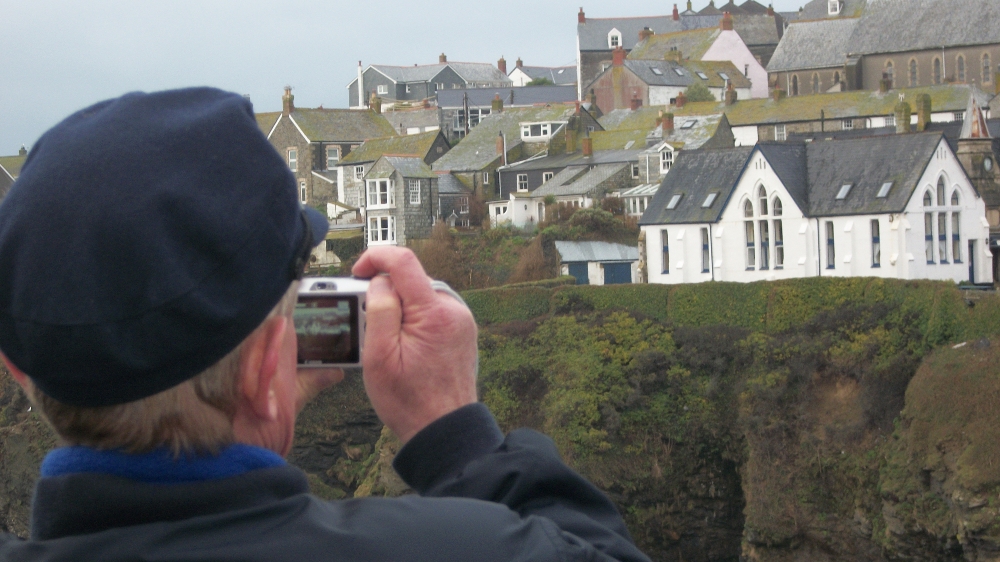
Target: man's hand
column 420, row 345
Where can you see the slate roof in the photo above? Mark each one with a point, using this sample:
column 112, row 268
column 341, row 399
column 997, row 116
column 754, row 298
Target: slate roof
column 622, row 125
column 813, row 44
column 867, row 163
column 571, row 252
column 450, row 185
column 788, row 162
column 579, row 180
column 593, row 35
column 752, row 7
column 12, row 164
column 478, row 149
column 577, row 159
column 891, row 26
column 695, row 174
column 618, row 140
column 758, row 30
column 410, row 167
column 406, row 118
column 478, row 72
column 513, row 96
column 692, row 44
column 266, row 121
column 818, row 9
column 468, row 71
column 343, row 125
column 559, row 75
column 664, row 73
column 373, row 149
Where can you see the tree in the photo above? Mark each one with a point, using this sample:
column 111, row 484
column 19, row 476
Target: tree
column 540, row 82
column 698, row 92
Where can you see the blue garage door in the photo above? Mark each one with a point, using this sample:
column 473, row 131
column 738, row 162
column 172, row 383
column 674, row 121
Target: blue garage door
column 579, row 270
column 617, row 273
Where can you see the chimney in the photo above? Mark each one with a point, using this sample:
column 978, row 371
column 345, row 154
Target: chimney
column 903, row 113
column 570, row 139
column 681, row 100
column 689, row 6
column 618, row 56
column 519, row 63
column 375, row 104
column 22, row 151
column 727, row 22
column 676, row 15
column 923, row 111
column 635, row 104
column 581, row 18
column 668, row 123
column 442, row 58
column 500, row 150
column 645, row 33
column 497, row 106
column 883, row 84
column 588, row 146
column 770, row 10
column 287, row 102
column 777, row 94
column 674, row 54
column 592, row 99
column 502, row 65
column 361, row 86
column 730, row 94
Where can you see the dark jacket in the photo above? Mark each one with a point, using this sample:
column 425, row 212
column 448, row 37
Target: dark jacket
column 483, row 497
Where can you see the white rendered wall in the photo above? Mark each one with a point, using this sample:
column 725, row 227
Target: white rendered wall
column 729, row 47
column 745, row 136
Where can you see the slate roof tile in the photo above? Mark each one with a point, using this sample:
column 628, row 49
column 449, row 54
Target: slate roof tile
column 343, row 125
column 373, row 149
column 694, row 175
column 559, row 75
column 890, row 26
column 813, row 44
column 513, row 96
column 593, row 35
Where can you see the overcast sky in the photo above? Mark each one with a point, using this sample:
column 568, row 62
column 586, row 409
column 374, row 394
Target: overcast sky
column 57, row 56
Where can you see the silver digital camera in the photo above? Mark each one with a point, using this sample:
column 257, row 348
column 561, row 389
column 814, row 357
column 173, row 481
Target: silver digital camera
column 330, row 321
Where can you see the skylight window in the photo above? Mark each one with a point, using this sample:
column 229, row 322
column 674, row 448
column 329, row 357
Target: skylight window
column 724, row 76
column 709, row 200
column 884, row 191
column 844, row 190
column 629, row 144
column 689, row 123
column 703, row 76
column 673, row 202
column 657, row 72
column 679, row 72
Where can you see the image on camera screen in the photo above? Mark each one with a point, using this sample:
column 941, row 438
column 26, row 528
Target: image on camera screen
column 326, row 328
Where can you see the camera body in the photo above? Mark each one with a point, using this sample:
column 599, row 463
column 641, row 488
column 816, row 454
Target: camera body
column 330, row 321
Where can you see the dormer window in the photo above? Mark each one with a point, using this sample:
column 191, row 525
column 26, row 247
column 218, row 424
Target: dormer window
column 666, row 160
column 538, row 131
column 833, row 8
column 614, row 39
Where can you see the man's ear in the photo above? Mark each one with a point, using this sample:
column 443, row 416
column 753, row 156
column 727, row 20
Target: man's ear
column 18, row 374
column 259, row 366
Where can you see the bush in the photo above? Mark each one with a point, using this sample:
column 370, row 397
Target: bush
column 698, row 92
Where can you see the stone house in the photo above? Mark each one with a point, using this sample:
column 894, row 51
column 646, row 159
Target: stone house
column 454, row 201
column 413, row 84
column 898, row 206
column 477, row 103
column 313, row 141
column 401, row 201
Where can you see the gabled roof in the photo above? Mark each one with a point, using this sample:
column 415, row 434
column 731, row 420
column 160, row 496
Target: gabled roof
column 450, row 185
column 12, row 164
column 579, row 180
column 692, row 44
column 478, row 149
column 752, row 7
column 819, row 9
column 512, row 96
column 560, row 75
column 593, row 35
column 410, row 167
column 813, row 44
column 468, row 71
column 266, row 121
column 570, row 252
column 891, row 26
column 341, row 125
column 478, row 72
column 373, row 149
column 758, row 30
column 622, row 125
column 694, row 175
column 577, row 159
column 867, row 163
column 669, row 73
column 788, row 161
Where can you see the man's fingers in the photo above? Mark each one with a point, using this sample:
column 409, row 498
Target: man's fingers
column 383, row 319
column 408, row 277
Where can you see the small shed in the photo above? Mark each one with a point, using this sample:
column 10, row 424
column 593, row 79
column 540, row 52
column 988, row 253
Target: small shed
column 598, row 263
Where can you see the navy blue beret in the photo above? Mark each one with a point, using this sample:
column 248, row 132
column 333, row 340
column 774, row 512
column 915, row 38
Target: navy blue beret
column 146, row 237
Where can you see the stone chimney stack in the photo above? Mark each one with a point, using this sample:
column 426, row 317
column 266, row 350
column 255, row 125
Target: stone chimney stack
column 730, row 94
column 618, row 56
column 519, row 63
column 727, row 21
column 500, row 150
column 883, row 84
column 674, row 54
column 681, row 100
column 570, row 138
column 676, row 15
column 581, row 18
column 777, row 94
column 588, row 146
column 22, row 151
column 502, row 65
column 375, row 104
column 689, row 6
column 668, row 123
column 903, row 113
column 442, row 58
column 287, row 102
column 645, row 33
column 497, row 106
column 770, row 10
column 635, row 103
column 923, row 111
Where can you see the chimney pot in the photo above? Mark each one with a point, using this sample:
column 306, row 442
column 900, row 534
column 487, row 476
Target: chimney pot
column 668, row 122
column 519, row 63
column 645, row 33
column 676, row 15
column 681, row 100
column 581, row 18
column 618, row 56
column 22, row 151
column 727, row 21
column 375, row 104
column 770, row 9
column 442, row 59
column 287, row 101
column 500, row 144
column 502, row 65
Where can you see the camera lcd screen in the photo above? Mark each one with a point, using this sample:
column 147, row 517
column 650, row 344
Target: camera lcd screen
column 327, row 329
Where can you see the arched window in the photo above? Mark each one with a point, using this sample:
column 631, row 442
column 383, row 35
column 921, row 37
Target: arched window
column 940, row 192
column 937, row 70
column 795, row 85
column 890, row 74
column 927, row 199
column 956, row 238
column 987, row 74
column 777, row 207
column 913, row 73
column 748, row 209
column 836, row 78
column 751, row 245
column 762, row 195
column 960, row 65
column 954, row 198
column 815, row 83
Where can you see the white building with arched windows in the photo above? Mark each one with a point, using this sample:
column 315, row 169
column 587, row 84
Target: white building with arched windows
column 896, row 206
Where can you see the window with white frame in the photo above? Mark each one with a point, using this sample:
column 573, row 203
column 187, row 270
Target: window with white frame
column 537, row 131
column 847, row 124
column 765, row 245
column 381, row 193
column 666, row 160
column 381, row 230
column 413, row 188
column 303, row 195
column 614, row 39
column 522, row 182
column 890, row 121
column 751, row 244
column 762, row 197
column 831, row 250
column 779, row 132
column 665, row 241
column 475, row 116
column 929, row 237
column 463, row 205
column 332, row 157
column 486, row 178
column 942, row 226
column 833, row 7
column 956, row 237
column 876, row 244
column 383, row 89
column 779, row 241
column 635, row 171
column 359, row 172
column 546, row 176
column 705, row 251
column 293, row 159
